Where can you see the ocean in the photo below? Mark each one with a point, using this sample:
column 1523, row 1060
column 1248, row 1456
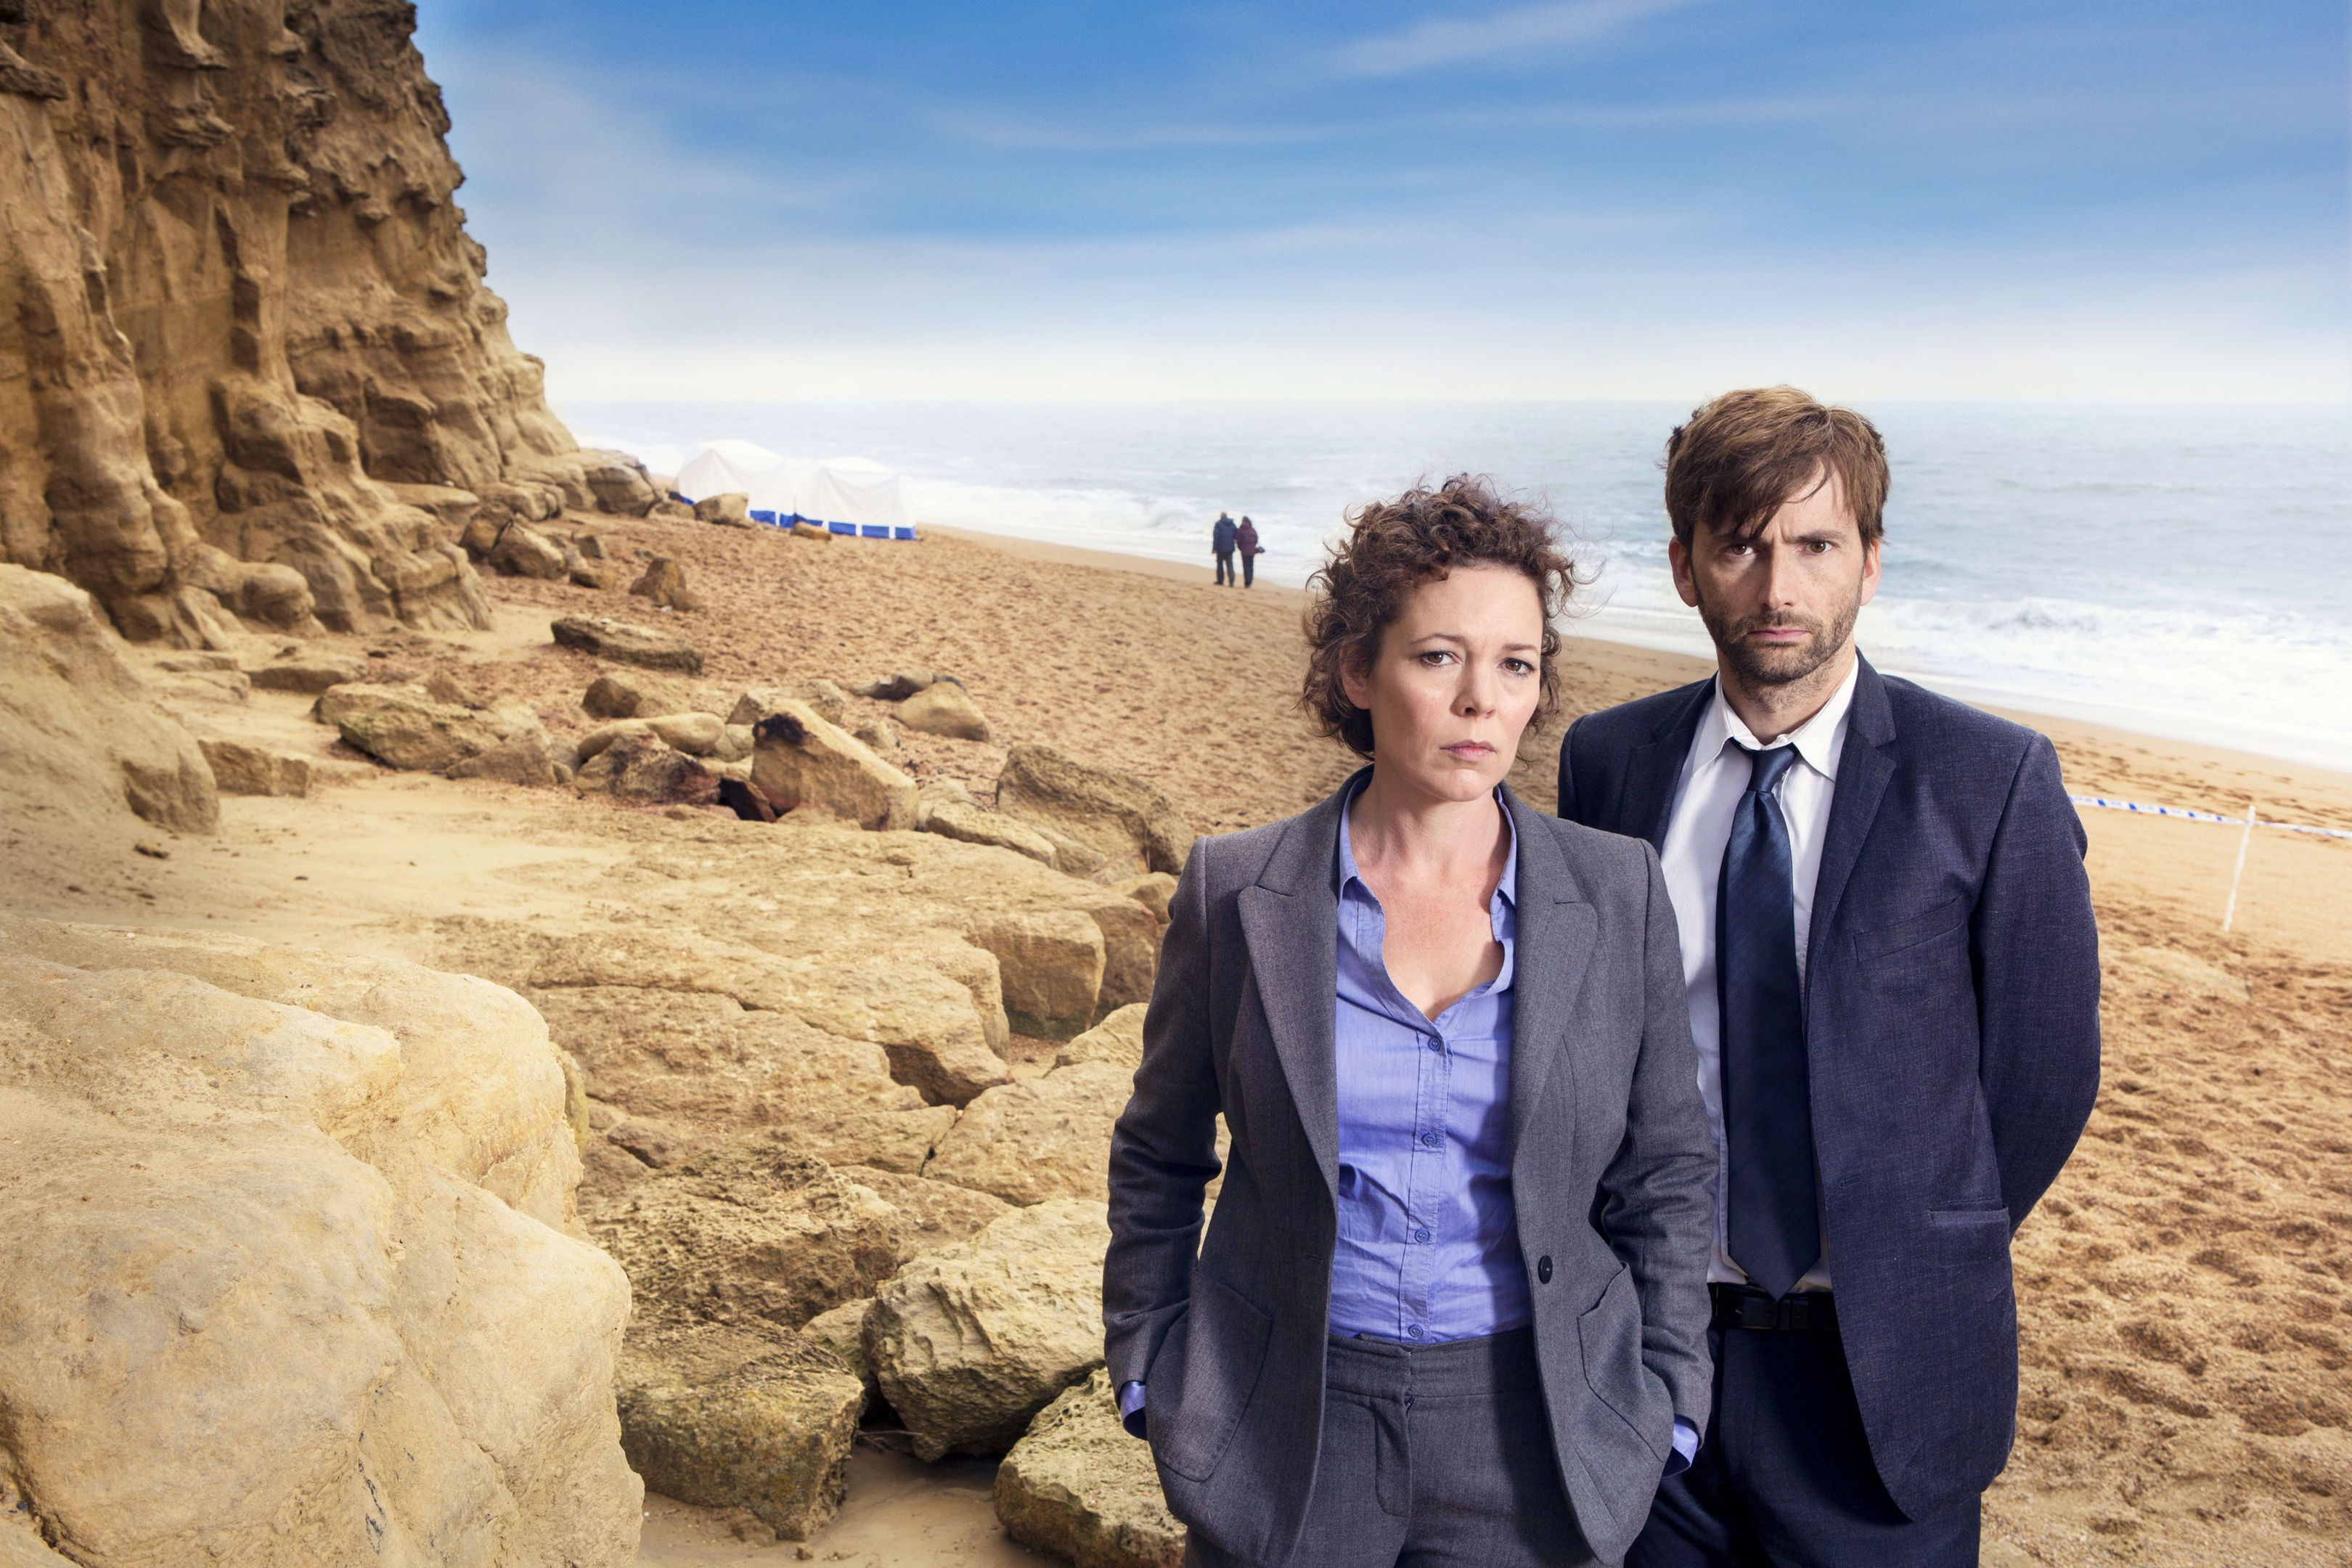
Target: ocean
column 2179, row 571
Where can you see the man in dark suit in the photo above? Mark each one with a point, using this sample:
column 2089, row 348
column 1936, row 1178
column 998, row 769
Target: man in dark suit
column 1893, row 979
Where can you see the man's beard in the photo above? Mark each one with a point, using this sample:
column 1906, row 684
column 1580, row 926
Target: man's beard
column 1765, row 664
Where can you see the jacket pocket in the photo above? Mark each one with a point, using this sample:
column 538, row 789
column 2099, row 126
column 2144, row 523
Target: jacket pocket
column 1214, row 1359
column 1610, row 1334
column 1970, row 1234
column 1943, row 918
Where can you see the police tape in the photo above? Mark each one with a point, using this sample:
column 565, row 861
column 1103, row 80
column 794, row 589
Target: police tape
column 2187, row 816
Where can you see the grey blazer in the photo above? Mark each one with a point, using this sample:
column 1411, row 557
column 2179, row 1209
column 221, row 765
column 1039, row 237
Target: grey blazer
column 1611, row 1170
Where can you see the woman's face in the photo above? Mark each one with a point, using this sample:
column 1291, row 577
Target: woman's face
column 1455, row 681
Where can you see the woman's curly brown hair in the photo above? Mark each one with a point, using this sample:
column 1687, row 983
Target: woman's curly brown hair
column 1394, row 546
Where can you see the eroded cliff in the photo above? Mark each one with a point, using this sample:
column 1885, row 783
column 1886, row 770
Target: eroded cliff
column 242, row 323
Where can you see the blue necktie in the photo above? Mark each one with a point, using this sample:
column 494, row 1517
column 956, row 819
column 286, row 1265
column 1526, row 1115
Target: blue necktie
column 1767, row 1120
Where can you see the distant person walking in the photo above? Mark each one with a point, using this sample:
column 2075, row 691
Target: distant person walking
column 1245, row 539
column 1220, row 540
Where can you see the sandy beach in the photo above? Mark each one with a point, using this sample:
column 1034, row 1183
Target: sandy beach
column 2183, row 1292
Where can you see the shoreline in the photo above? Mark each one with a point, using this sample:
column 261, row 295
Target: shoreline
column 2085, row 722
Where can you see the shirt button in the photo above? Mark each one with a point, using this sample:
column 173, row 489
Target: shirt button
column 1431, row 1139
column 1413, row 1331
column 1420, row 1236
column 1436, row 1045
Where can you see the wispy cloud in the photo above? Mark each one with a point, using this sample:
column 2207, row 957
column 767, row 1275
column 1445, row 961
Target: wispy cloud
column 1442, row 41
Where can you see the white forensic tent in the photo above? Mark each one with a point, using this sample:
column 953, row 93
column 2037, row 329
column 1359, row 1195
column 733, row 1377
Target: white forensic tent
column 849, row 495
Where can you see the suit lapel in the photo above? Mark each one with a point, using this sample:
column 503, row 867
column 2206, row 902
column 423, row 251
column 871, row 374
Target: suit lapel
column 1646, row 796
column 1290, row 925
column 1865, row 764
column 1554, row 953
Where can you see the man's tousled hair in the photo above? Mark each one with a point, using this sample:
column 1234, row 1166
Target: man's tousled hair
column 1738, row 459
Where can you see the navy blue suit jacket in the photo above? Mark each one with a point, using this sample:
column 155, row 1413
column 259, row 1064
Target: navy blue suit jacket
column 1952, row 1033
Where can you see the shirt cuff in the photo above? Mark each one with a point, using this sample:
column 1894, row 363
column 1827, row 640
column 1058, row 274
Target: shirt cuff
column 1686, row 1440
column 1131, row 1411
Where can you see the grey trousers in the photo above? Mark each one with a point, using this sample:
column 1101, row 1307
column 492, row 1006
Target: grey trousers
column 1432, row 1455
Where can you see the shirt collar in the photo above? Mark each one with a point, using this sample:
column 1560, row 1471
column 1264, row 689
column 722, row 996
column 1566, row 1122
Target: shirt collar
column 1507, row 889
column 1818, row 739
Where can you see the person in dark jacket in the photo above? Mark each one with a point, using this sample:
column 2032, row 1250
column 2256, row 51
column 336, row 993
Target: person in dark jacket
column 1451, row 1307
column 1893, row 979
column 1221, row 541
column 1246, row 544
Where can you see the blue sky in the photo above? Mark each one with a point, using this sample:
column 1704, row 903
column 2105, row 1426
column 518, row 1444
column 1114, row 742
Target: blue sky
column 1580, row 198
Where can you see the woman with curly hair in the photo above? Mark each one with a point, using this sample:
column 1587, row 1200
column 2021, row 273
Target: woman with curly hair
column 1451, row 1306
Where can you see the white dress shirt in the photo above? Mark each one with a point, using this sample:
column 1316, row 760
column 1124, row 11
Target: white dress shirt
column 1715, row 775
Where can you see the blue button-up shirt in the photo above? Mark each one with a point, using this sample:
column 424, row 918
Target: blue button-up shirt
column 1428, row 1238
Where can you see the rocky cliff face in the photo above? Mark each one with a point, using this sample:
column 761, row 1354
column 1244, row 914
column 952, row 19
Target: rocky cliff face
column 241, row 322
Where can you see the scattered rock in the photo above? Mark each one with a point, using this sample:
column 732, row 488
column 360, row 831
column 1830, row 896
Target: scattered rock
column 731, row 511
column 696, row 734
column 592, row 546
column 522, row 758
column 524, row 552
column 1131, row 951
column 1046, row 1138
column 633, row 694
column 967, row 821
column 896, row 688
column 734, row 743
column 945, row 708
column 841, row 1331
column 619, row 481
column 830, row 702
column 736, row 1419
column 77, row 731
column 969, row 1344
column 811, row 531
column 798, row 758
column 1152, row 890
column 636, row 766
column 664, row 582
column 1052, row 963
column 624, row 643
column 442, row 686
column 242, row 769
column 604, row 735
column 311, row 674
column 1117, row 1039
column 877, row 733
column 405, row 729
column 1120, row 818
column 584, row 572
column 1078, row 1486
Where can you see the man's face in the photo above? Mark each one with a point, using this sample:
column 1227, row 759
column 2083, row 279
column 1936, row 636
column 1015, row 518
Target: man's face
column 1780, row 604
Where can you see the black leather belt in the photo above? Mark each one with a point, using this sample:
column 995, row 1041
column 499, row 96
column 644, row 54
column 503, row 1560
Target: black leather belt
column 1746, row 1307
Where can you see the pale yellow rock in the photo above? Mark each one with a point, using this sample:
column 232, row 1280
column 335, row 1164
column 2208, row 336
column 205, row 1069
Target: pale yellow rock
column 970, row 1342
column 972, row 824
column 240, row 768
column 1124, row 819
column 78, row 733
column 1052, row 962
column 1117, row 1039
column 944, row 708
column 1152, row 890
column 696, row 734
column 1046, row 1138
column 282, row 1311
column 841, row 1333
column 403, row 728
column 1078, row 1486
column 798, row 758
column 604, row 735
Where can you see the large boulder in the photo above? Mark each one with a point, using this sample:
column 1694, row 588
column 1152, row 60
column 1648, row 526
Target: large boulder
column 240, row 768
column 625, row 643
column 1052, row 965
column 311, row 673
column 946, row 709
column 971, row 1343
column 663, row 582
column 1117, row 1039
column 1046, row 1138
column 522, row 551
column 403, row 728
column 969, row 823
column 633, row 694
column 731, row 511
column 1122, row 821
column 78, row 734
column 742, row 1418
column 524, row 757
column 798, row 758
column 619, row 482
column 1077, row 1485
column 637, row 767
column 301, row 1294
